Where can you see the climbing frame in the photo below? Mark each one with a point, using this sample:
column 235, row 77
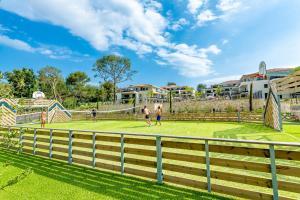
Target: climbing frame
column 272, row 113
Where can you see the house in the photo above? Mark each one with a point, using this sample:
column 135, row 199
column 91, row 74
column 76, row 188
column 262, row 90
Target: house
column 241, row 88
column 288, row 87
column 261, row 81
column 141, row 93
column 181, row 92
column 230, row 89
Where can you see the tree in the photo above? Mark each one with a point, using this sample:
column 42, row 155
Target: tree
column 219, row 90
column 199, row 94
column 5, row 89
column 49, row 80
column 77, row 79
column 22, row 81
column 107, row 91
column 171, row 83
column 114, row 69
column 76, row 83
column 201, row 87
column 296, row 69
column 251, row 98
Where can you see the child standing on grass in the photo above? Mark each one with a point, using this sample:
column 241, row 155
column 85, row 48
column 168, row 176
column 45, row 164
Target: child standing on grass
column 158, row 115
column 147, row 115
column 43, row 119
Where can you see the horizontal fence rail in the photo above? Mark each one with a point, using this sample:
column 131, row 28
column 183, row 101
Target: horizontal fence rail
column 240, row 168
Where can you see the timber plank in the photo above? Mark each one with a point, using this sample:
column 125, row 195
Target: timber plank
column 184, row 169
column 82, row 153
column 183, row 157
column 145, row 163
column 142, row 152
column 240, row 192
column 138, row 172
column 108, row 166
column 82, row 161
column 246, row 151
column 82, row 144
column 108, row 138
column 108, row 157
column 139, row 141
column 183, row 145
column 260, row 167
column 108, row 148
column 185, row 182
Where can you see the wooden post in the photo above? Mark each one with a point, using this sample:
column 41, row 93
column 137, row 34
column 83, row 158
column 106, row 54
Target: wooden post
column 273, row 171
column 122, row 153
column 94, row 150
column 21, row 140
column 70, row 146
column 50, row 143
column 207, row 161
column 34, row 142
column 159, row 160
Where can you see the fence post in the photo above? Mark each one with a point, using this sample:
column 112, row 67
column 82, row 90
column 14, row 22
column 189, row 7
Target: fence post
column 34, row 142
column 207, row 161
column 159, row 160
column 94, row 150
column 21, row 140
column 122, row 153
column 273, row 171
column 70, row 146
column 50, row 143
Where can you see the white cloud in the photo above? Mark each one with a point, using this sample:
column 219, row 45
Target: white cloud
column 136, row 25
column 101, row 24
column 54, row 52
column 225, row 41
column 16, row 44
column 206, row 16
column 221, row 79
column 194, row 5
column 229, row 5
column 4, row 29
column 177, row 25
column 191, row 61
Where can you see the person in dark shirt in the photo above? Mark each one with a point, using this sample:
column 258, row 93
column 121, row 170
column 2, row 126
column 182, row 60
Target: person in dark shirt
column 94, row 114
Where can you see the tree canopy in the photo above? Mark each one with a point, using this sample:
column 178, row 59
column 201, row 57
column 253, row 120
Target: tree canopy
column 23, row 82
column 114, row 69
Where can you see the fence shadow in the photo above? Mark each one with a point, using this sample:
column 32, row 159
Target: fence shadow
column 104, row 183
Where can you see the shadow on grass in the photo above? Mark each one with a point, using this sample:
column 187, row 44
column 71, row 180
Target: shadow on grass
column 105, row 183
column 245, row 130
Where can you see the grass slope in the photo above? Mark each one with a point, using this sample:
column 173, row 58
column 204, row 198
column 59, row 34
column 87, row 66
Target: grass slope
column 250, row 131
column 56, row 180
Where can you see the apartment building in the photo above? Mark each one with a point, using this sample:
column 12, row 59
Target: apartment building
column 181, row 92
column 141, row 93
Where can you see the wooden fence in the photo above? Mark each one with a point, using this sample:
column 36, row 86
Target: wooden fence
column 240, row 168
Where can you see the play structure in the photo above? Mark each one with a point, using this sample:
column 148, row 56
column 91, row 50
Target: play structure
column 272, row 113
column 7, row 112
column 16, row 111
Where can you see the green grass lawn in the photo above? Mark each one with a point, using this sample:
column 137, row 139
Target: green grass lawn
column 233, row 130
column 49, row 179
column 57, row 180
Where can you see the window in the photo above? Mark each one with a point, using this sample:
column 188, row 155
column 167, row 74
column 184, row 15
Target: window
column 265, row 85
column 280, row 96
column 266, row 95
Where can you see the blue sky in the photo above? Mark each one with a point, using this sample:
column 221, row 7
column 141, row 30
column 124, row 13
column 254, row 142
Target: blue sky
column 184, row 41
